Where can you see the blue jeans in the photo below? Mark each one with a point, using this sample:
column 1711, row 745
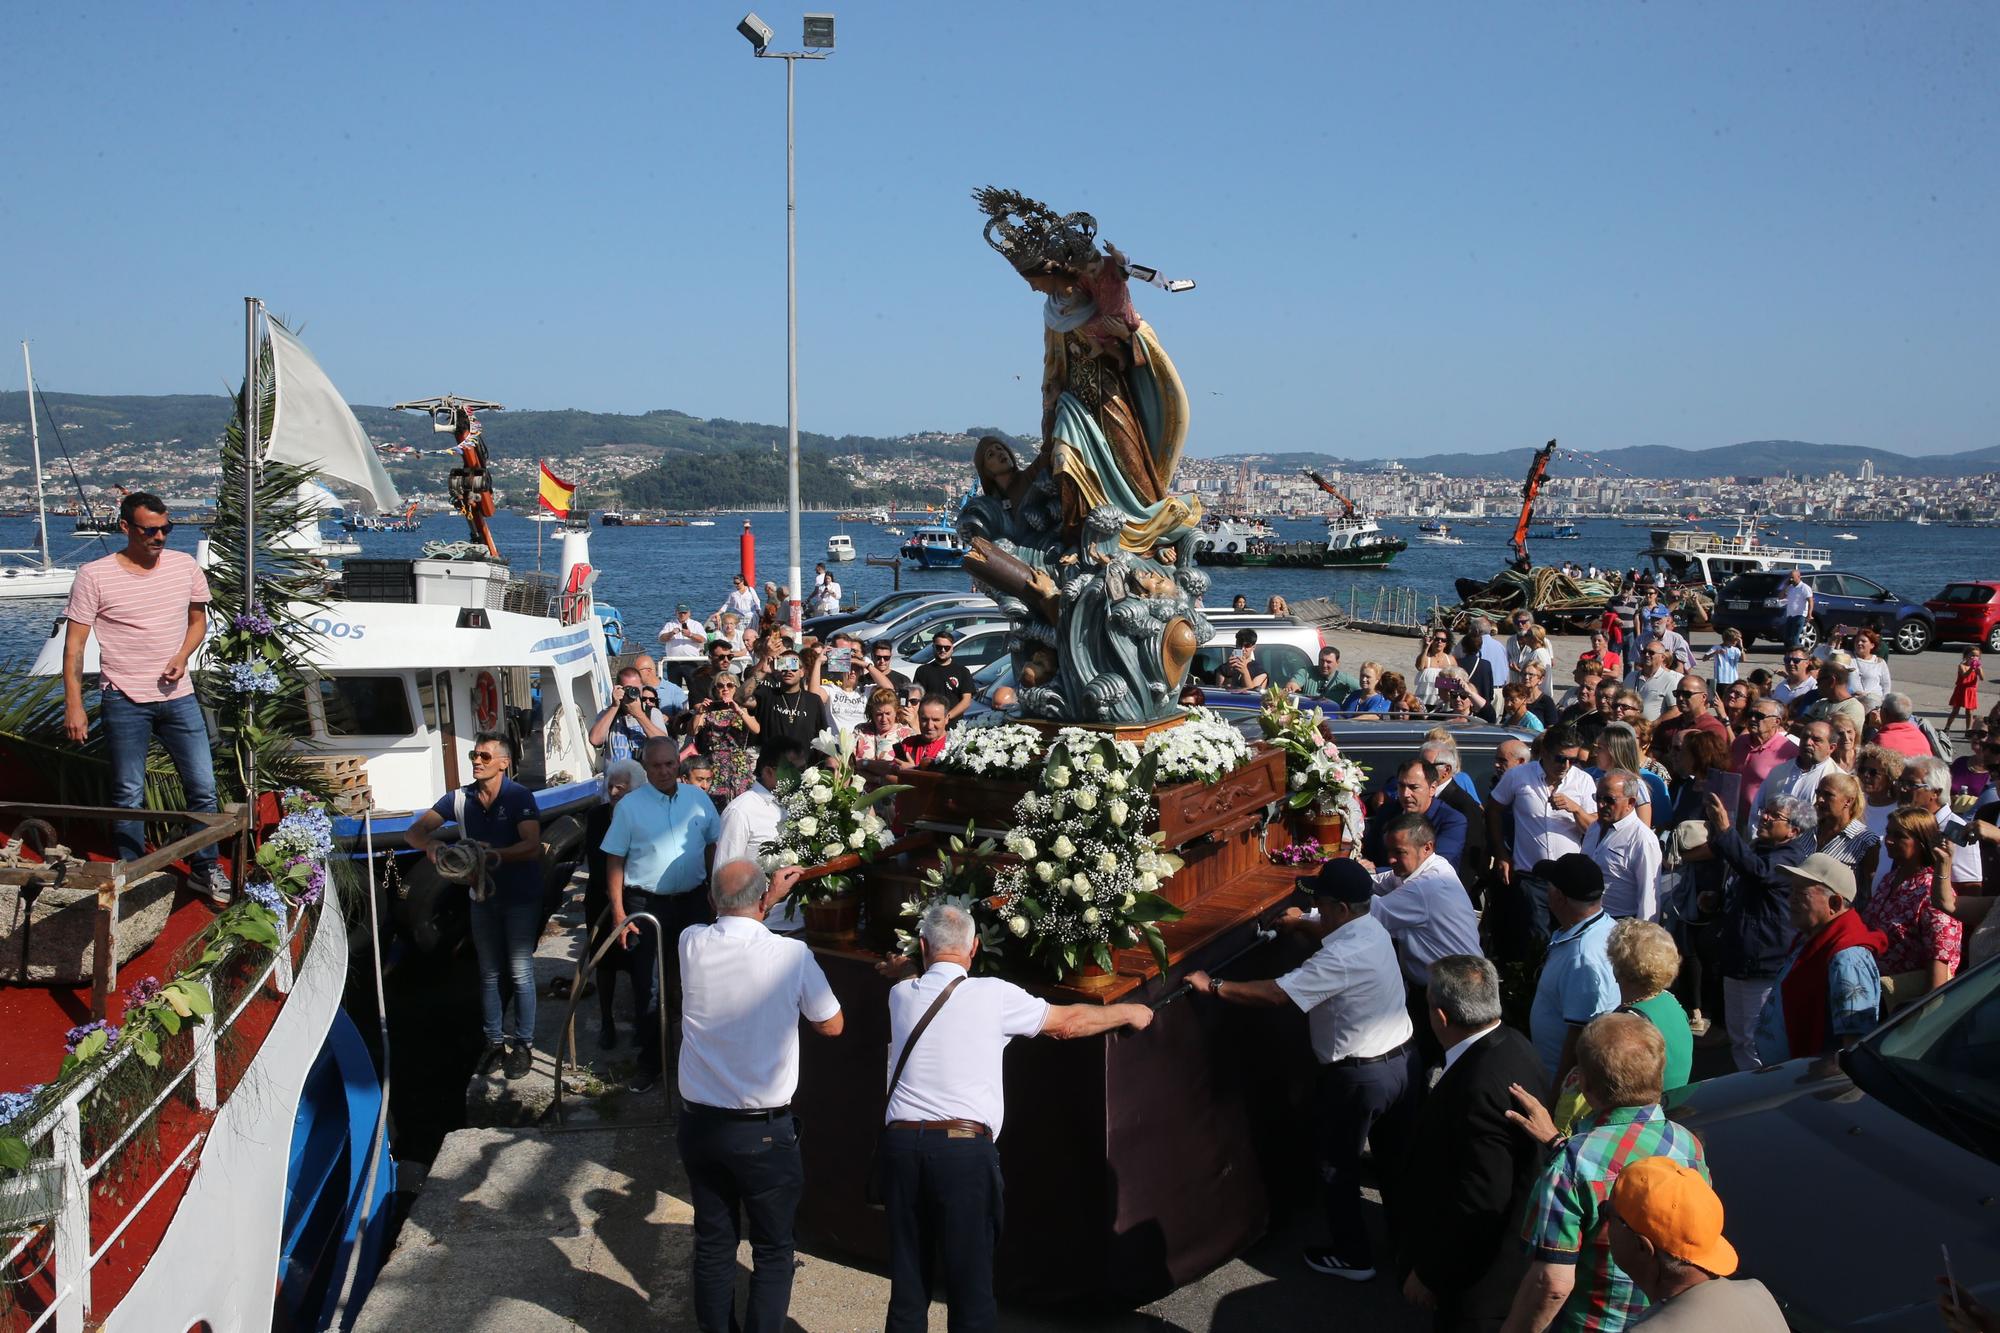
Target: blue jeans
column 504, row 928
column 129, row 731
column 741, row 1172
column 1795, row 628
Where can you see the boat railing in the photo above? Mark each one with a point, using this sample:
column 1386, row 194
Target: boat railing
column 53, row 1192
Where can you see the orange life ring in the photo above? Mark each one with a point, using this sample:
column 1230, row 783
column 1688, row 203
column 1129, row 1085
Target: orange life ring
column 486, row 701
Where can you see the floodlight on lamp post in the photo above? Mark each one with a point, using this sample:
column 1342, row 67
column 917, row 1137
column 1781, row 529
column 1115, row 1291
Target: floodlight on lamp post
column 818, row 39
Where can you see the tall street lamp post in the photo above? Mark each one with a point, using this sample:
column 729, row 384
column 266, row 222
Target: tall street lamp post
column 818, row 40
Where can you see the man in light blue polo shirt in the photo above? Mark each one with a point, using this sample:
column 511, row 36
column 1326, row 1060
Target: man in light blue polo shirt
column 1577, row 983
column 656, row 859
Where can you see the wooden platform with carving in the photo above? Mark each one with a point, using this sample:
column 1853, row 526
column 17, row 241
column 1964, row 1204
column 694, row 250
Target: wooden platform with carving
column 1132, row 1161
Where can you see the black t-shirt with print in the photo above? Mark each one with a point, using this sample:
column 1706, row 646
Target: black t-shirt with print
column 793, row 717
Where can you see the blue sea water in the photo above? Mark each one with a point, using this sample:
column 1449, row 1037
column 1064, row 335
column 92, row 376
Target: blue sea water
column 646, row 571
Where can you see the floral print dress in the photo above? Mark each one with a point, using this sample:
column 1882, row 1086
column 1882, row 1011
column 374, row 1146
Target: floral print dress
column 1919, row 934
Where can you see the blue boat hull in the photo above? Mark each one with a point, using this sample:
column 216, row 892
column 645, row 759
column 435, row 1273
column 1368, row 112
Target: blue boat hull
column 931, row 558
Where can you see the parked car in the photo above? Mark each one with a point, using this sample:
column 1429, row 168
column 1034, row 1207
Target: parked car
column 1284, row 647
column 976, row 645
column 1901, row 1135
column 902, row 618
column 879, row 609
column 1968, row 612
column 1754, row 603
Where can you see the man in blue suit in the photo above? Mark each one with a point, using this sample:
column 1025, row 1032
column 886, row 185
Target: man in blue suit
column 1414, row 791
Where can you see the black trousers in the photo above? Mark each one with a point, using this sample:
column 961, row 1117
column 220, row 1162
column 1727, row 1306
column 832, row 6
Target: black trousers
column 1353, row 1101
column 943, row 1196
column 676, row 912
column 741, row 1172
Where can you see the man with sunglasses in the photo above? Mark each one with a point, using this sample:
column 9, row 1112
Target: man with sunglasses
column 498, row 813
column 1691, row 712
column 1759, row 750
column 1553, row 802
column 880, row 665
column 1654, row 680
column 1798, row 688
column 148, row 607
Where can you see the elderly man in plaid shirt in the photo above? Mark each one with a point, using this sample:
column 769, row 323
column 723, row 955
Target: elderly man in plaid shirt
column 1573, row 1283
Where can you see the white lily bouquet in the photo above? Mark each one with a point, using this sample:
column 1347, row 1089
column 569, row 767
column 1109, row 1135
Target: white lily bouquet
column 1090, row 863
column 1317, row 773
column 1007, row 750
column 828, row 814
column 1202, row 749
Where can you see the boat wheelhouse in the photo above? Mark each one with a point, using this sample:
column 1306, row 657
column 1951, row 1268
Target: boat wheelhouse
column 1698, row 556
column 934, row 547
column 839, row 547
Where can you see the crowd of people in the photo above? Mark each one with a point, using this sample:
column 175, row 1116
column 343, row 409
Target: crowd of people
column 1762, row 862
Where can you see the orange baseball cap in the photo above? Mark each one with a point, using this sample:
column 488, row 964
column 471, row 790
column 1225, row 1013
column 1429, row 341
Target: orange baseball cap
column 1673, row 1207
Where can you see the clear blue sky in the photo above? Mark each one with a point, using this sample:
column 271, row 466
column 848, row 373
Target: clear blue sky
column 1415, row 227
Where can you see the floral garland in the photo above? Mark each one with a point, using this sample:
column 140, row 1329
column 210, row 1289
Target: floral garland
column 294, row 856
column 1090, row 869
column 1202, row 749
column 828, row 813
column 1006, row 750
column 1317, row 773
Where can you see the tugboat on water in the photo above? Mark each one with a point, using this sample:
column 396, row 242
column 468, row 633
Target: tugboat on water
column 1354, row 540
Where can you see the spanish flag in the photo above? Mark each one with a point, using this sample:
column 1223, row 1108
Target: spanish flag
column 556, row 493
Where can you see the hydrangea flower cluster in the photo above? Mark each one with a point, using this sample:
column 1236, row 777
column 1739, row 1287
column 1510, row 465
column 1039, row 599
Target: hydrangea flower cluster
column 1089, row 867
column 13, row 1105
column 252, row 678
column 1006, row 750
column 1202, row 749
column 266, row 895
column 828, row 813
column 141, row 992
column 254, row 621
column 76, row 1036
column 295, row 852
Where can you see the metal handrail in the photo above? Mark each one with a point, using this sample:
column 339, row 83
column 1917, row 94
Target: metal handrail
column 587, row 965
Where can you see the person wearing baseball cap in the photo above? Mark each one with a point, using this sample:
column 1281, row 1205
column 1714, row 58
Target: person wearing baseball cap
column 1351, row 991
column 683, row 635
column 1831, row 987
column 1665, row 1228
column 1577, row 983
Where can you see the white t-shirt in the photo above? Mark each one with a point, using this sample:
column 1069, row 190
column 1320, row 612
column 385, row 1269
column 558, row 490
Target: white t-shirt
column 954, row 1072
column 1792, row 780
column 742, row 992
column 748, row 822
column 1629, row 855
column 849, row 708
column 1352, row 992
column 1798, row 599
column 1542, row 832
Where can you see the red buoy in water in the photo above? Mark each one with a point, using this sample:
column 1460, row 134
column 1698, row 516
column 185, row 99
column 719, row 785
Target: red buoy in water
column 749, row 554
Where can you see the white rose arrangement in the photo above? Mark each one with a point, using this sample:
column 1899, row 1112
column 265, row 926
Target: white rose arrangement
column 1006, row 751
column 828, row 813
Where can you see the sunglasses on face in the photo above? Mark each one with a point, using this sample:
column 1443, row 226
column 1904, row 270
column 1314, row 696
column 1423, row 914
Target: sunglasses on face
column 153, row 530
column 483, row 757
column 1796, row 661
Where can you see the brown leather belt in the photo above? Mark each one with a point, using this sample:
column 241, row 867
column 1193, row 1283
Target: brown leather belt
column 958, row 1129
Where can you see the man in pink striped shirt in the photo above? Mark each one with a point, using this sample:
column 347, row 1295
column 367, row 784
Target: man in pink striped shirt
column 149, row 609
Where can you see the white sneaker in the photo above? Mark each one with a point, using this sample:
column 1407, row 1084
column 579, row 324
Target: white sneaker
column 217, row 887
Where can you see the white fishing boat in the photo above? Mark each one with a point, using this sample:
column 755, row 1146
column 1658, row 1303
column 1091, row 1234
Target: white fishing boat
column 1698, row 556
column 28, row 571
column 1440, row 535
column 839, row 547
column 1845, row 537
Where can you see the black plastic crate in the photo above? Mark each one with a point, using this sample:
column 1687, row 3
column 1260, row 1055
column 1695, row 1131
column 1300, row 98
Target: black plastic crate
column 379, row 580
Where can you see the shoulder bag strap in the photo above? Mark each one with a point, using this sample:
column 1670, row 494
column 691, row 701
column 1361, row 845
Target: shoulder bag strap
column 918, row 1031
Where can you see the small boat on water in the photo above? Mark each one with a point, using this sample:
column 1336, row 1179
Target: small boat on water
column 1698, row 556
column 701, row 522
column 893, row 531
column 839, row 547
column 1224, row 540
column 35, row 577
column 1439, row 535
column 1559, row 532
column 1845, row 537
column 934, row 547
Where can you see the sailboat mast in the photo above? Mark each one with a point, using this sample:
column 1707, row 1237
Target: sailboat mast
column 35, row 444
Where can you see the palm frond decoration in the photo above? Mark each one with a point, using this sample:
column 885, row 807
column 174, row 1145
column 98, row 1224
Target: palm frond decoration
column 32, row 740
column 256, row 680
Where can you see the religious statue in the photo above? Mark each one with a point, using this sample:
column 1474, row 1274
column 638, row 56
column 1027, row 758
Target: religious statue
column 1085, row 547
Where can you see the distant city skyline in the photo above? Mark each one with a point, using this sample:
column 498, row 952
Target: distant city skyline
column 1414, row 231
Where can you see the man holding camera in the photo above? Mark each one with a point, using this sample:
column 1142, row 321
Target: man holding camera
column 623, row 728
column 788, row 710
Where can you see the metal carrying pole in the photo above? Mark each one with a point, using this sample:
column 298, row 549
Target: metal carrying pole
column 252, row 423
column 792, row 345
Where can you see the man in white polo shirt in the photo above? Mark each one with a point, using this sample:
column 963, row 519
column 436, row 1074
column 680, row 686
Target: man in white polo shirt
column 1799, row 776
column 940, row 1171
column 149, row 609
column 751, row 819
column 1351, row 990
column 1553, row 802
column 1625, row 849
column 743, row 991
